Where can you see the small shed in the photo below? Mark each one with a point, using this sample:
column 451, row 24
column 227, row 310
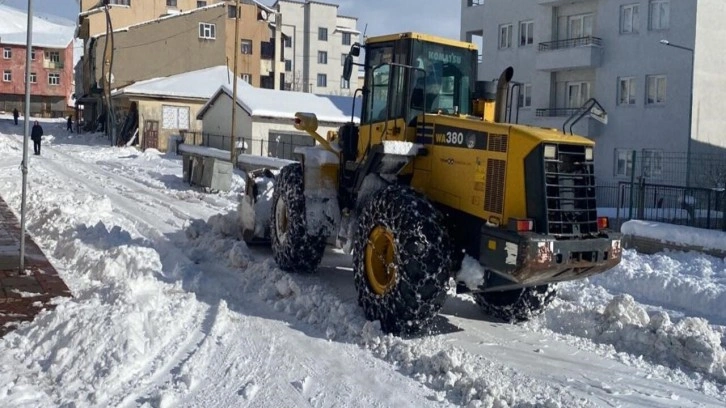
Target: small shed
column 265, row 118
column 169, row 106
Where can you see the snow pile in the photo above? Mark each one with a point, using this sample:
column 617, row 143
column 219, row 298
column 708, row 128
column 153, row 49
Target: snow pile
column 619, row 321
column 698, row 237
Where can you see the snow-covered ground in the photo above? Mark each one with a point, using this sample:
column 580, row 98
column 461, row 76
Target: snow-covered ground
column 171, row 309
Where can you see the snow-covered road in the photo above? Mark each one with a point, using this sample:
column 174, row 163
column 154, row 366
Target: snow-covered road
column 171, row 309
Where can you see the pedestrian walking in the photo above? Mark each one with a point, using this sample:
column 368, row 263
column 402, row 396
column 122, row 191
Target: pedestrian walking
column 15, row 115
column 36, row 134
column 70, row 124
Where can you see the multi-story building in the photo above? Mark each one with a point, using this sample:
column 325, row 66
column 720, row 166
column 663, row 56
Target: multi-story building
column 317, row 40
column 51, row 69
column 565, row 52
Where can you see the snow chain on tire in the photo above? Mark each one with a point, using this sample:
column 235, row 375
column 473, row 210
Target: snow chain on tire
column 293, row 247
column 516, row 305
column 401, row 260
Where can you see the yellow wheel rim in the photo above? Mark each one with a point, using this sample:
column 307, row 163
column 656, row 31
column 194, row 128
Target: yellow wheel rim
column 380, row 260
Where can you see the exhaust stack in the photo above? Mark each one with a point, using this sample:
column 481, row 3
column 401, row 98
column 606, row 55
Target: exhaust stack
column 502, row 94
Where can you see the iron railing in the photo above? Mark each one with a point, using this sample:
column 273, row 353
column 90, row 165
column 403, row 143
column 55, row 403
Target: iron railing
column 555, row 112
column 272, row 146
column 570, row 43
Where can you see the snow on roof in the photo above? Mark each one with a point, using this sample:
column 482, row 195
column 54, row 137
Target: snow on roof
column 195, row 84
column 284, row 104
column 48, row 32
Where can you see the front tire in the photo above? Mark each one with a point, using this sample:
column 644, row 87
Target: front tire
column 294, row 248
column 517, row 305
column 401, row 260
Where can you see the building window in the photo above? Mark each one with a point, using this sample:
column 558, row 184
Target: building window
column 655, row 89
column 288, row 41
column 525, row 96
column 577, row 94
column 171, row 3
column 505, row 36
column 207, row 31
column 7, row 76
column 246, row 46
column 121, row 2
column 322, row 34
column 342, row 59
column 322, row 80
column 53, row 78
column 346, row 38
column 174, row 117
column 626, row 91
column 32, row 54
column 580, row 26
column 52, row 56
column 472, row 3
column 33, row 78
column 652, row 163
column 7, row 53
column 231, row 11
column 201, row 4
column 344, row 83
column 288, row 65
column 526, row 33
column 623, row 162
column 659, row 14
column 629, row 19
column 322, row 57
column 247, row 78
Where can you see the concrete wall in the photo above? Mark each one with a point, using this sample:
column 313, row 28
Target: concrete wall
column 709, row 121
column 637, row 126
column 165, row 47
column 151, row 109
column 138, row 12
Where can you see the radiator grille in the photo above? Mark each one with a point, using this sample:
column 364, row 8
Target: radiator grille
column 498, row 143
column 570, row 193
column 494, row 195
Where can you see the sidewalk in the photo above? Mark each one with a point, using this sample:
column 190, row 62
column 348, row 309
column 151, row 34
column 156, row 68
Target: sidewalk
column 23, row 295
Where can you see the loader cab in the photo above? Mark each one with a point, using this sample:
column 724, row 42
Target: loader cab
column 410, row 74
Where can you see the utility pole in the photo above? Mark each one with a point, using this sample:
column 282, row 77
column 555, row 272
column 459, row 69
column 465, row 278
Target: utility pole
column 278, row 50
column 24, row 164
column 233, row 142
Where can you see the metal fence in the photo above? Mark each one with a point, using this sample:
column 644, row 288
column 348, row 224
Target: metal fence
column 281, row 146
column 676, row 188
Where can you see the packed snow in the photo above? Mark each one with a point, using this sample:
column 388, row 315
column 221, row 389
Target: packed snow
column 171, row 309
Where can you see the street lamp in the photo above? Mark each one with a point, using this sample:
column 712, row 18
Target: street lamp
column 690, row 109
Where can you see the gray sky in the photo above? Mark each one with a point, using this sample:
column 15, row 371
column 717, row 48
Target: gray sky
column 440, row 17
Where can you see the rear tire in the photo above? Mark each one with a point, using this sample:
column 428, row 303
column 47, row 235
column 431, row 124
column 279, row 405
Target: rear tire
column 293, row 247
column 401, row 260
column 517, row 305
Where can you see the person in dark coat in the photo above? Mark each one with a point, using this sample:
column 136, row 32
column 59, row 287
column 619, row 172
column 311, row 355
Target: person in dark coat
column 36, row 134
column 15, row 115
column 70, row 124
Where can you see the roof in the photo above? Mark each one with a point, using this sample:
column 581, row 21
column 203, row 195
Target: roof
column 200, row 84
column 48, row 31
column 284, row 104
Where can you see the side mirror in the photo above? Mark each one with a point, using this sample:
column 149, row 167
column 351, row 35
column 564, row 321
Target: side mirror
column 348, row 67
column 355, row 49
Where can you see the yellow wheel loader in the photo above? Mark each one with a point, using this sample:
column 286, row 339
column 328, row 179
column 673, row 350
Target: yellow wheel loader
column 432, row 188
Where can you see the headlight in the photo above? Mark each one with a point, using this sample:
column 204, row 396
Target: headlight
column 588, row 153
column 550, row 152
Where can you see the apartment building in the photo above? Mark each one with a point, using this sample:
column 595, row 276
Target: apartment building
column 51, row 69
column 565, row 52
column 317, row 39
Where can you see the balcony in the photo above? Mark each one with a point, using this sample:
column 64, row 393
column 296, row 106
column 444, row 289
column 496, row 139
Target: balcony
column 555, row 3
column 47, row 64
column 554, row 118
column 573, row 53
